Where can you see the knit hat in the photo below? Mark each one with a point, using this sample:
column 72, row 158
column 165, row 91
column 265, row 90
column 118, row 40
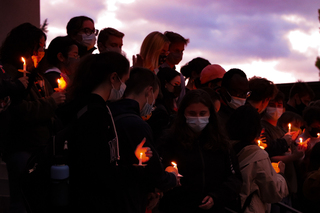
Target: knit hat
column 211, row 72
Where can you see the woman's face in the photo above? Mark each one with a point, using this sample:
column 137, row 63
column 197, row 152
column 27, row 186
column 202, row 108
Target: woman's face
column 176, row 81
column 197, row 110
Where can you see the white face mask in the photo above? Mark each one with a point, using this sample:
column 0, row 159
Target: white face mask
column 117, row 94
column 88, row 40
column 113, row 49
column 147, row 108
column 274, row 112
column 197, row 123
column 237, row 102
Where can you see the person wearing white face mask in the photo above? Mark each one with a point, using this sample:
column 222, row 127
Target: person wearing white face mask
column 93, row 145
column 278, row 144
column 115, row 93
column 81, row 29
column 138, row 100
column 211, row 176
column 234, row 92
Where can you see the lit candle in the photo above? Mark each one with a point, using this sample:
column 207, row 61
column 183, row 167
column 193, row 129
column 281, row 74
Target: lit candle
column 140, row 159
column 289, row 127
column 301, row 140
column 260, row 145
column 24, row 67
column 174, row 165
column 140, row 153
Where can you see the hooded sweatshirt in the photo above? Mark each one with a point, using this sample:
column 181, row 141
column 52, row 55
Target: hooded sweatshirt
column 260, row 178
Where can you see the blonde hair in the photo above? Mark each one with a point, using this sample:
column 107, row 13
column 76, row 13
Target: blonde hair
column 151, row 49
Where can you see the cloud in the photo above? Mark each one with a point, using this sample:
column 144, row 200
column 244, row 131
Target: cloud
column 229, row 32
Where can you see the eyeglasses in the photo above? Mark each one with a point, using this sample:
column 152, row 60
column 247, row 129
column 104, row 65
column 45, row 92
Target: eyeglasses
column 88, row 31
column 242, row 95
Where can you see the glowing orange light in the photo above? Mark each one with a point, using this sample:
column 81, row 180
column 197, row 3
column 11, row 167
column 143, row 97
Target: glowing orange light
column 261, row 145
column 24, row 66
column 23, row 60
column 140, row 152
column 174, row 165
column 62, row 84
column 289, row 127
column 276, row 167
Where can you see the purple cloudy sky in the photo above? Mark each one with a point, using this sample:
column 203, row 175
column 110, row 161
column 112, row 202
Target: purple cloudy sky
column 275, row 39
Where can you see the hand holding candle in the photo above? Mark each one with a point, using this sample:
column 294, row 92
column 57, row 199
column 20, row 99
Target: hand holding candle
column 261, row 144
column 279, row 167
column 141, row 151
column 62, row 84
column 302, row 143
column 276, row 166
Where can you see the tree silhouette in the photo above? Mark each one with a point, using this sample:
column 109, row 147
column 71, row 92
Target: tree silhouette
column 318, row 58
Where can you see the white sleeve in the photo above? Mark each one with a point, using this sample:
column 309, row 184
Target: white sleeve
column 272, row 186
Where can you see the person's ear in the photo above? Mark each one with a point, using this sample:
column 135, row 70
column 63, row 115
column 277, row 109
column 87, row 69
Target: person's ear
column 148, row 91
column 113, row 77
column 60, row 57
column 101, row 47
column 165, row 84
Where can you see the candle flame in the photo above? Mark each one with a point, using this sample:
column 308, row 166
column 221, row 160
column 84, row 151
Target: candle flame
column 301, row 140
column 261, row 144
column 289, row 127
column 318, row 135
column 174, row 165
column 23, row 60
column 140, row 151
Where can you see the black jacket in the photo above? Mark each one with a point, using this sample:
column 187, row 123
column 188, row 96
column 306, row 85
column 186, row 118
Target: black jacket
column 31, row 117
column 205, row 172
column 136, row 182
column 92, row 165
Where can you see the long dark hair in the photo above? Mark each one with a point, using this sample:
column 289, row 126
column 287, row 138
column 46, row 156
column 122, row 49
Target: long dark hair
column 60, row 44
column 211, row 135
column 165, row 75
column 22, row 41
column 95, row 69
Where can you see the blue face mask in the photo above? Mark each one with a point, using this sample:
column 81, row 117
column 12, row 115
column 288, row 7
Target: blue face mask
column 147, row 108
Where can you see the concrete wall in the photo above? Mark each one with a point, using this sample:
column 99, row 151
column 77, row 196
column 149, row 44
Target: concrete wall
column 15, row 12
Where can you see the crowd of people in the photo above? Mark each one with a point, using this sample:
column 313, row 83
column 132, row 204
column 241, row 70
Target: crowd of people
column 146, row 137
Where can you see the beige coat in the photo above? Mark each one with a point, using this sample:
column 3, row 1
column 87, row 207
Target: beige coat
column 259, row 176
